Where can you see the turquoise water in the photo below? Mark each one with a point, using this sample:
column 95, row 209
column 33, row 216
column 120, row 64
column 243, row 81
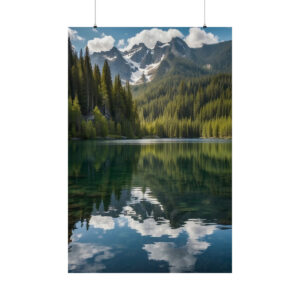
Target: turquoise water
column 160, row 205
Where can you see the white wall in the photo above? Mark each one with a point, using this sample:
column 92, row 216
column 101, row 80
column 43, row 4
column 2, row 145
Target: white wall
column 33, row 159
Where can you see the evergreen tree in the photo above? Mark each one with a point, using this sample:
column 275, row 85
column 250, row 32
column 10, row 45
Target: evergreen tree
column 190, row 107
column 106, row 84
column 118, row 102
column 171, row 107
column 70, row 65
column 89, row 81
column 97, row 79
column 144, row 80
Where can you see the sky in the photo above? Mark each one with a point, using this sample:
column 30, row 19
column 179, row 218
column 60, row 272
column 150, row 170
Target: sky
column 104, row 38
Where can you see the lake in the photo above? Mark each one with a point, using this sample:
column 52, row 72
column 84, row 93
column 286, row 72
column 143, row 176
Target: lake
column 150, row 205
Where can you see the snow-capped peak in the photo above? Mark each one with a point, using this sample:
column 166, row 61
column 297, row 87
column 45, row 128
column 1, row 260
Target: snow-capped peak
column 132, row 64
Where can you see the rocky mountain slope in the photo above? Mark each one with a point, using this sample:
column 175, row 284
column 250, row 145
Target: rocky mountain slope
column 141, row 64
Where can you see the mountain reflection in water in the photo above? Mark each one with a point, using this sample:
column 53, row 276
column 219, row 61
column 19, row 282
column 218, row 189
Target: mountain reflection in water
column 150, row 207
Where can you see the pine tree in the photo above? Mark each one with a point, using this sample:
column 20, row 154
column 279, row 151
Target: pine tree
column 97, row 79
column 92, row 91
column 118, row 100
column 128, row 99
column 106, row 84
column 70, row 65
column 89, row 81
column 144, row 80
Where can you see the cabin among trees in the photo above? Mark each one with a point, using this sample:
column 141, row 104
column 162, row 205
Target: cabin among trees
column 98, row 106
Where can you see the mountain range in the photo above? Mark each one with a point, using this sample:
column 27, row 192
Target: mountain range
column 141, row 64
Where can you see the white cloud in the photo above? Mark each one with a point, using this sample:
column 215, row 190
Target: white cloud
column 76, row 237
column 95, row 30
column 80, row 253
column 103, row 222
column 197, row 37
column 121, row 43
column 180, row 259
column 149, row 227
column 197, row 229
column 150, row 36
column 73, row 34
column 101, row 44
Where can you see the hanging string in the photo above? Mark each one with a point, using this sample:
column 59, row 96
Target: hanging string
column 204, row 26
column 95, row 24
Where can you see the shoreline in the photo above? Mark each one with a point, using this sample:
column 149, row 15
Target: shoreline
column 124, row 139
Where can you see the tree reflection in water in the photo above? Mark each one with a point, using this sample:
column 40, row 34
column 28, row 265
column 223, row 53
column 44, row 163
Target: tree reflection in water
column 160, row 201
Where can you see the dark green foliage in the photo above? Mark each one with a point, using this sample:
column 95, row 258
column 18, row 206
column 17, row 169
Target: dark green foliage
column 193, row 107
column 96, row 105
column 179, row 170
column 174, row 106
column 97, row 77
column 107, row 89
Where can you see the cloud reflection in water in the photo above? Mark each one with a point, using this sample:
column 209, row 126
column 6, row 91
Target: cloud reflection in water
column 180, row 258
column 81, row 252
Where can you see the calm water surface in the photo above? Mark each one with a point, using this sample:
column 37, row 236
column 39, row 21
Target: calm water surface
column 150, row 206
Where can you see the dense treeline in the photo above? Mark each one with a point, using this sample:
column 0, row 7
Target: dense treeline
column 170, row 107
column 98, row 106
column 193, row 107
